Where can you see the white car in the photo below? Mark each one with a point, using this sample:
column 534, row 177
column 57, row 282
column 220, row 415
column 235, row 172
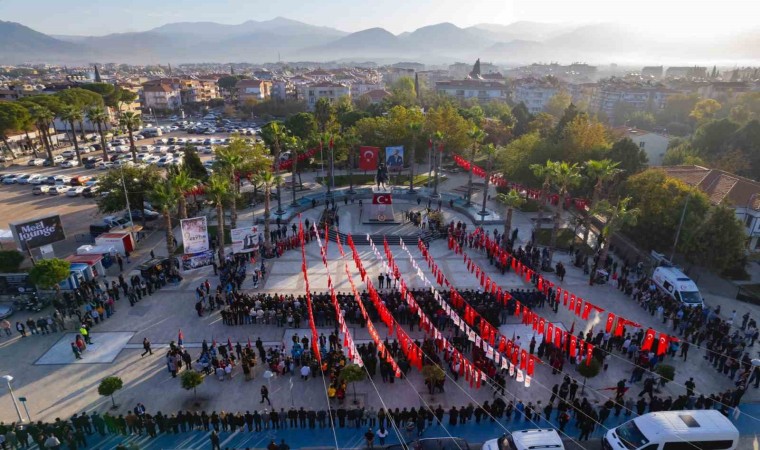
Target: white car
column 105, row 165
column 164, row 161
column 58, row 189
column 75, row 191
column 37, row 179
column 69, row 163
column 122, row 149
column 123, row 163
column 12, row 179
column 41, row 189
column 150, row 159
column 142, row 156
column 36, row 162
column 146, row 148
column 68, row 153
column 24, row 179
column 62, row 180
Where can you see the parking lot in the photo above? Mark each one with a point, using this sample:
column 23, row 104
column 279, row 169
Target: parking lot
column 19, row 203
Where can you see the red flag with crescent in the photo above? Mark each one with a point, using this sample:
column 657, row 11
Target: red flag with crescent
column 610, row 322
column 662, row 345
column 382, row 199
column 368, row 157
column 648, row 340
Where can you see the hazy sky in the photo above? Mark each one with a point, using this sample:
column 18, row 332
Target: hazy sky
column 672, row 17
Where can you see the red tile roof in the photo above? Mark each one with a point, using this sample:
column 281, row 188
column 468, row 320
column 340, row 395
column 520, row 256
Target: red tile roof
column 719, row 185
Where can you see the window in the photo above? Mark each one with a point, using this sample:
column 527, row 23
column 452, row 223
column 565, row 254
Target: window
column 642, row 144
column 699, row 445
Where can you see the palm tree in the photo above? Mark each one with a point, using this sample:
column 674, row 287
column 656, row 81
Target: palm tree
column 267, row 180
column 294, row 146
column 230, row 161
column 476, row 135
column 72, row 115
column 563, row 176
column 511, row 200
column 325, row 139
column 323, row 111
column 542, row 172
column 414, row 130
column 42, row 118
column 352, row 142
column 617, row 216
column 182, row 182
column 164, row 196
column 130, row 121
column 218, row 191
column 278, row 137
column 437, row 140
column 98, row 116
column 600, row 171
column 490, row 151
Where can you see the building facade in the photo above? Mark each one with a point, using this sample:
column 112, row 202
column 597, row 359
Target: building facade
column 480, row 90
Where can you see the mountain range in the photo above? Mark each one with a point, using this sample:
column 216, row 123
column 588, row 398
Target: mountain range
column 286, row 39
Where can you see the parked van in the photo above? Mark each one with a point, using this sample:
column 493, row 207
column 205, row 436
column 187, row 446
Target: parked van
column 527, row 440
column 152, row 132
column 674, row 430
column 676, row 284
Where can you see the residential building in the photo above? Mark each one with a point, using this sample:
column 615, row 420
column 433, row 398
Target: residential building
column 283, row 89
column 194, row 91
column 161, row 95
column 417, row 67
column 459, row 70
column 534, row 93
column 428, row 78
column 326, row 89
column 253, row 90
column 393, row 74
column 480, row 90
column 653, row 72
column 740, row 193
column 377, row 96
column 653, row 144
column 724, row 90
column 639, row 96
column 686, row 72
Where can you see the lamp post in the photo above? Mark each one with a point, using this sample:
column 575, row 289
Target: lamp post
column 8, row 380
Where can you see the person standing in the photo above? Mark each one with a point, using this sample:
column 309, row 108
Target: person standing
column 382, row 433
column 214, row 437
column 265, row 395
column 146, row 347
column 21, row 329
column 369, row 436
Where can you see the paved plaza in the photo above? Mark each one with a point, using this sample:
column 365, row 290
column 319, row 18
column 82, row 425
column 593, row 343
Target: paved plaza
column 56, row 385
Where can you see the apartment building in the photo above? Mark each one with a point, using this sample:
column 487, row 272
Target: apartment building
column 330, row 90
column 534, row 93
column 480, row 90
column 253, row 90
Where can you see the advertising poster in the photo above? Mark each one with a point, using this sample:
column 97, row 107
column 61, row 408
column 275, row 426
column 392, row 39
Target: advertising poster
column 38, row 232
column 394, row 157
column 245, row 240
column 197, row 260
column 195, row 235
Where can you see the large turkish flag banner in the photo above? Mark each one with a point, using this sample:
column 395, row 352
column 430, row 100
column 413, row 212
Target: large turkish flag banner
column 382, row 199
column 368, row 157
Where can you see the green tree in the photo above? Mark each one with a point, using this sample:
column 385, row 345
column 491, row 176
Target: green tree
column 720, row 241
column 511, row 200
column 705, row 110
column 677, row 109
column 182, row 182
column 433, row 374
column 661, row 200
column 218, row 191
column 589, row 370
column 453, row 128
column 275, row 136
column 324, row 114
column 403, row 92
column 97, row 115
column 523, row 118
column 137, row 181
column 165, row 197
column 616, row 217
column 13, row 117
column 302, row 125
column 131, row 122
column 72, row 115
column 642, row 120
column 414, row 130
column 558, row 103
column 600, row 172
column 229, row 160
column 193, row 165
column 47, row 273
column 108, row 386
column 544, row 173
column 42, row 118
column 581, row 137
column 191, row 379
column 631, row 158
column 267, row 179
column 10, row 260
column 563, row 176
column 351, row 374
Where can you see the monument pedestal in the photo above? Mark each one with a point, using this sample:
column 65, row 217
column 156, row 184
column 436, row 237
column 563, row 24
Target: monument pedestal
column 380, row 211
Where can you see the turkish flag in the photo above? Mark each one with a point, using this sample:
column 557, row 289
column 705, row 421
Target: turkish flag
column 589, row 353
column 549, row 332
column 610, row 322
column 662, row 345
column 382, row 199
column 573, row 343
column 620, row 328
column 648, row 340
column 368, row 157
column 541, row 325
column 557, row 336
column 531, row 365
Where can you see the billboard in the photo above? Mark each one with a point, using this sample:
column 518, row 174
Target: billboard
column 394, row 157
column 194, row 234
column 197, row 260
column 245, row 240
column 38, row 232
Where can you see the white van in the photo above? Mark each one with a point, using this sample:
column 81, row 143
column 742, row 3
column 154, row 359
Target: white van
column 674, row 430
column 527, row 440
column 677, row 285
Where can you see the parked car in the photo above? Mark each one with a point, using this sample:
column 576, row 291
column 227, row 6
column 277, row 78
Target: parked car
column 62, row 180
column 70, row 163
column 105, row 165
column 24, row 179
column 6, row 311
column 69, row 153
column 58, row 189
column 75, row 191
column 40, row 189
column 92, row 162
column 80, row 180
column 12, row 178
column 36, row 162
column 138, row 214
column 90, row 191
column 39, row 179
column 57, row 159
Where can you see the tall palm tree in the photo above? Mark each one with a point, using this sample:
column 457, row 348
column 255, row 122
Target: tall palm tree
column 414, row 130
column 476, row 135
column 230, row 161
column 352, row 143
column 325, row 139
column 278, row 135
column 267, row 180
column 218, row 191
column 541, row 172
column 97, row 115
column 164, row 197
column 323, row 112
column 131, row 121
column 182, row 182
column 617, row 216
column 72, row 115
column 601, row 171
column 42, row 118
column 511, row 200
column 563, row 176
column 295, row 147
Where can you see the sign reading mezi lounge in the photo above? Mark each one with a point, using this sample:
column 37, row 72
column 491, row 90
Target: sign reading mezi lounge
column 38, row 232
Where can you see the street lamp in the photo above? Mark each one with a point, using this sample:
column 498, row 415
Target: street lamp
column 8, row 380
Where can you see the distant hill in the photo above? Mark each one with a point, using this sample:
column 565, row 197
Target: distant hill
column 286, row 39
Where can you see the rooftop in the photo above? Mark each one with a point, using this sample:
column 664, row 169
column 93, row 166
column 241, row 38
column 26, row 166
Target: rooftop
column 720, row 186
